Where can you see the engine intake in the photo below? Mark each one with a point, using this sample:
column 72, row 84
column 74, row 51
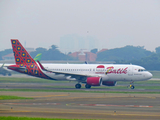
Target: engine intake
column 94, row 81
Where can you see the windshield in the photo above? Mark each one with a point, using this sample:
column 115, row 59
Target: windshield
column 141, row 70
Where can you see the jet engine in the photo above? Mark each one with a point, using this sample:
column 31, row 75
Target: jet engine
column 94, row 81
column 109, row 83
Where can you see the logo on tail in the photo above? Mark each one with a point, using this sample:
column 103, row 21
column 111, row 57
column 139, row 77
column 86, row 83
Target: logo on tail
column 24, row 62
column 21, row 55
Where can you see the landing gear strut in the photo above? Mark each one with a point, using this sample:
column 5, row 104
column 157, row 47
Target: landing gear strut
column 131, row 85
column 78, row 86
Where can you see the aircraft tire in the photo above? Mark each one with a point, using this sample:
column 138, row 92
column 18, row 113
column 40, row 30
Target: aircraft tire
column 88, row 86
column 78, row 86
column 132, row 87
column 9, row 74
column 4, row 74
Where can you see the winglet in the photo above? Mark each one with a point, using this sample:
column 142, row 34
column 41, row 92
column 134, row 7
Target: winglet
column 38, row 57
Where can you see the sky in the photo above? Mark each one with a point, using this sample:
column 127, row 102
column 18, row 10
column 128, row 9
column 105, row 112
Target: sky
column 112, row 23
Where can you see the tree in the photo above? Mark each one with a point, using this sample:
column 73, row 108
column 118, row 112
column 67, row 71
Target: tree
column 158, row 49
column 95, row 50
column 125, row 53
column 69, row 53
column 5, row 52
column 54, row 47
column 51, row 54
column 40, row 49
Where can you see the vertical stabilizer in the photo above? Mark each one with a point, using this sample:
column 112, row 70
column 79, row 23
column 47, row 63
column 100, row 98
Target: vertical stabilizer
column 24, row 62
column 20, row 54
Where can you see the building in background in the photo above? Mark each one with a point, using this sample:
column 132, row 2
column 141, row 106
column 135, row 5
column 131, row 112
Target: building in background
column 73, row 42
column 85, row 55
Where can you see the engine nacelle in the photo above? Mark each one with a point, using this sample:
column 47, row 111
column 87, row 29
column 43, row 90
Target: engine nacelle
column 94, row 81
column 109, row 83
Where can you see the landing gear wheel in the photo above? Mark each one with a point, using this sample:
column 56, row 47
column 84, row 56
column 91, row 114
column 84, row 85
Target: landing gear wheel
column 132, row 86
column 9, row 74
column 4, row 74
column 78, row 86
column 88, row 86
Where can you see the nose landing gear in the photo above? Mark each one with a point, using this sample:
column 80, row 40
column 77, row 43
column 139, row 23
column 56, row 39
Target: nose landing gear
column 131, row 85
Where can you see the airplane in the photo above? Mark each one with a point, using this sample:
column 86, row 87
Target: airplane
column 89, row 74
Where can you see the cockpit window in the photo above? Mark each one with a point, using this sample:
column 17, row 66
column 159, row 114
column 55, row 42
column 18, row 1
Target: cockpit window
column 141, row 70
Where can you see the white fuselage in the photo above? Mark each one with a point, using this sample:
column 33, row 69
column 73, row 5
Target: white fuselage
column 108, row 72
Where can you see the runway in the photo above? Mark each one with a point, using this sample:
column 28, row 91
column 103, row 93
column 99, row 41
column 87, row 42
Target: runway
column 82, row 105
column 79, row 105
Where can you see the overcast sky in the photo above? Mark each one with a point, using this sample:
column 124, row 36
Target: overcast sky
column 113, row 23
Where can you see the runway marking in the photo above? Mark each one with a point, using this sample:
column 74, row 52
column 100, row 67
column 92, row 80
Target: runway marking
column 14, row 111
column 144, row 106
column 100, row 105
column 30, row 103
column 52, row 95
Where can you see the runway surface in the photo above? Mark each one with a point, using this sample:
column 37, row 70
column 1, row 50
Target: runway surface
column 82, row 105
column 79, row 105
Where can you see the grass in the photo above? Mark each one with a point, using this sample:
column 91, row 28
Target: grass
column 29, row 118
column 8, row 97
column 80, row 91
column 26, row 80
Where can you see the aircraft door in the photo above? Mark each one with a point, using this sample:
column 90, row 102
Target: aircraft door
column 130, row 71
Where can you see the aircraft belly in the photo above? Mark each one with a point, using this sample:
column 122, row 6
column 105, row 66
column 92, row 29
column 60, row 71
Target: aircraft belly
column 105, row 78
column 57, row 77
column 114, row 77
column 139, row 78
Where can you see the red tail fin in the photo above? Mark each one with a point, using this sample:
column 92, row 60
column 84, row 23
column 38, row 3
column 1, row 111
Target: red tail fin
column 20, row 54
column 24, row 62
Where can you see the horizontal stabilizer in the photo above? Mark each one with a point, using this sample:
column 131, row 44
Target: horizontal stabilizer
column 13, row 67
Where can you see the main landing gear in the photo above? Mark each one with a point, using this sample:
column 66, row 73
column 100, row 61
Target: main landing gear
column 78, row 86
column 88, row 86
column 131, row 85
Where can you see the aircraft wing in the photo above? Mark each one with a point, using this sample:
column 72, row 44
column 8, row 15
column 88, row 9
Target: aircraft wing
column 70, row 76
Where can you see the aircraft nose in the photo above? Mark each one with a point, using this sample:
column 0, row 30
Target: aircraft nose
column 149, row 75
